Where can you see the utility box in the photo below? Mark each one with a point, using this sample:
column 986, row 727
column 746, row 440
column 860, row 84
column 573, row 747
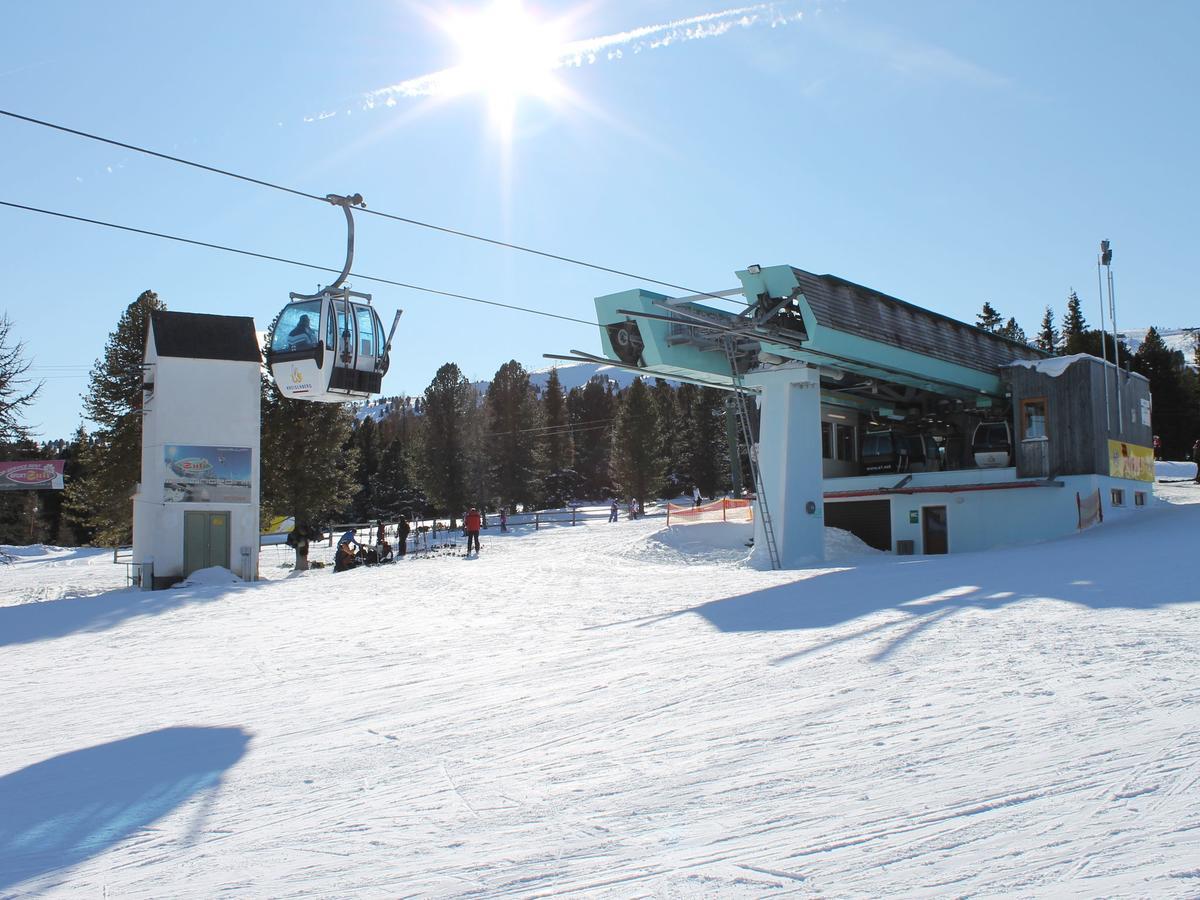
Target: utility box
column 197, row 504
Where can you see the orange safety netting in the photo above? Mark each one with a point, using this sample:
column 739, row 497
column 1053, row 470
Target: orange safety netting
column 723, row 510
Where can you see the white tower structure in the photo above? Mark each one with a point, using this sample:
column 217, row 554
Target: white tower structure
column 197, row 504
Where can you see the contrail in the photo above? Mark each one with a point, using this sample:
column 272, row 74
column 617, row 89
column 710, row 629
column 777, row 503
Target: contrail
column 609, row 47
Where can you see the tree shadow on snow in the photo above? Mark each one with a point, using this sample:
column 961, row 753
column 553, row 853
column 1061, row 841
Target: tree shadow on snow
column 60, row 812
column 27, row 623
column 1132, row 565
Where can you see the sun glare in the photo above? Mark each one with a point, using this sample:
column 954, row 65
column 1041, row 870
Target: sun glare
column 506, row 55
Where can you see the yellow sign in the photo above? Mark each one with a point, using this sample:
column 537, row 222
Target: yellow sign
column 1130, row 461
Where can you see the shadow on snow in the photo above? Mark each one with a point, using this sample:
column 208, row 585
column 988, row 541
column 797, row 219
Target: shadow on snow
column 1132, row 564
column 27, row 623
column 60, row 812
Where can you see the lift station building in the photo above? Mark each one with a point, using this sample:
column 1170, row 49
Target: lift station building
column 914, row 431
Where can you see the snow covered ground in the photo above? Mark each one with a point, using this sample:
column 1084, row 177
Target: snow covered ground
column 614, row 710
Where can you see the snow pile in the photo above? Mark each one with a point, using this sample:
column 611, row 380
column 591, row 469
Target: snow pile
column 841, row 546
column 591, row 711
column 1054, row 366
column 213, row 575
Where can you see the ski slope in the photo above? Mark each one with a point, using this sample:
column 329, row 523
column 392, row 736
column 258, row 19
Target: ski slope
column 614, row 711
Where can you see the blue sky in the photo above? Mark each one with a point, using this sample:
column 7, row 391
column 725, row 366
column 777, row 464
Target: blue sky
column 944, row 152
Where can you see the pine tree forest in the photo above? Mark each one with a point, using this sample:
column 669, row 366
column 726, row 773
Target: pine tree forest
column 513, row 442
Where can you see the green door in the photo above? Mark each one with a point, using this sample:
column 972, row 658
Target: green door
column 205, row 540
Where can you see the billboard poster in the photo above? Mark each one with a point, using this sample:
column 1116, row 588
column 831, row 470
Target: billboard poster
column 32, row 475
column 1130, row 461
column 198, row 474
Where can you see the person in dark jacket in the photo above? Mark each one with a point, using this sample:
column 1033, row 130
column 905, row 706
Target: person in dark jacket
column 402, row 530
column 471, row 525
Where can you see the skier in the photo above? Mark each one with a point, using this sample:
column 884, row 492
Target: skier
column 696, row 496
column 471, row 524
column 503, row 519
column 403, row 529
column 379, row 532
column 1157, row 447
column 612, row 510
column 1196, row 458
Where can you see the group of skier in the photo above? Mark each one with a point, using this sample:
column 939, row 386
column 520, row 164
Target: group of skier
column 351, row 552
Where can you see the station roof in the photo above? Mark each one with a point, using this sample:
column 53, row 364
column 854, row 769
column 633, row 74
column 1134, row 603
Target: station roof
column 204, row 336
column 851, row 308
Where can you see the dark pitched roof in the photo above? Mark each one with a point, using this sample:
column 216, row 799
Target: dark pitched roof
column 850, row 307
column 201, row 336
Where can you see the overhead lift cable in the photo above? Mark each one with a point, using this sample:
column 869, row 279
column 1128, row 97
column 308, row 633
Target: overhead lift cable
column 374, row 212
column 294, row 262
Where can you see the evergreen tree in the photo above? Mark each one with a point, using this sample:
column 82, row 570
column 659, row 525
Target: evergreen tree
column 1174, row 414
column 392, row 488
column 365, row 439
column 1013, row 331
column 1074, row 326
column 512, row 435
column 637, row 465
column 591, row 410
column 673, row 450
column 16, row 393
column 560, row 481
column 309, row 463
column 101, row 499
column 442, row 457
column 989, row 319
column 1100, row 345
column 477, row 445
column 708, row 446
column 21, row 519
column 1047, row 337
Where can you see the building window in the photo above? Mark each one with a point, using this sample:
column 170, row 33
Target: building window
column 845, row 443
column 1033, row 418
column 1118, row 497
column 826, row 440
column 1139, row 498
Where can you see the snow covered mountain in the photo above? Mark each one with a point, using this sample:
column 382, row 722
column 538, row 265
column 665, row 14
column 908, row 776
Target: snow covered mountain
column 1181, row 339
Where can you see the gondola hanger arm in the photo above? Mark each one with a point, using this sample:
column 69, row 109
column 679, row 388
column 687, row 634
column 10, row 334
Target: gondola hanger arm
column 346, row 203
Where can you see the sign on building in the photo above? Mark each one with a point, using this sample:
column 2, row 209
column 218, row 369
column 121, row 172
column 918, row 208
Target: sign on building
column 32, row 475
column 1127, row 460
column 200, row 474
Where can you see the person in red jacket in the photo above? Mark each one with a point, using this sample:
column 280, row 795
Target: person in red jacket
column 471, row 525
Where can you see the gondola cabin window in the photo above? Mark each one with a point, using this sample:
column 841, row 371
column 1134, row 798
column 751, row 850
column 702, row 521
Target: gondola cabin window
column 827, row 440
column 297, row 327
column 845, row 442
column 1033, row 419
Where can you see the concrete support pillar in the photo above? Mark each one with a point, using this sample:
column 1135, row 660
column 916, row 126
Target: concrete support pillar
column 789, row 456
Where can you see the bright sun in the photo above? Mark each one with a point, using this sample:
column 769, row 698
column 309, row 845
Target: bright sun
column 506, row 54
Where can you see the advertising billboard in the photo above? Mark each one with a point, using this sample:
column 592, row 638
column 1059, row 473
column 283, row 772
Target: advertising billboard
column 32, row 475
column 1127, row 460
column 199, row 474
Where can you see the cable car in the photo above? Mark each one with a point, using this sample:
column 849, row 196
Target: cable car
column 992, row 445
column 330, row 346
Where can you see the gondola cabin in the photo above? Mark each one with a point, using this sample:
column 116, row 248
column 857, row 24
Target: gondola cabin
column 330, row 348
column 992, row 445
